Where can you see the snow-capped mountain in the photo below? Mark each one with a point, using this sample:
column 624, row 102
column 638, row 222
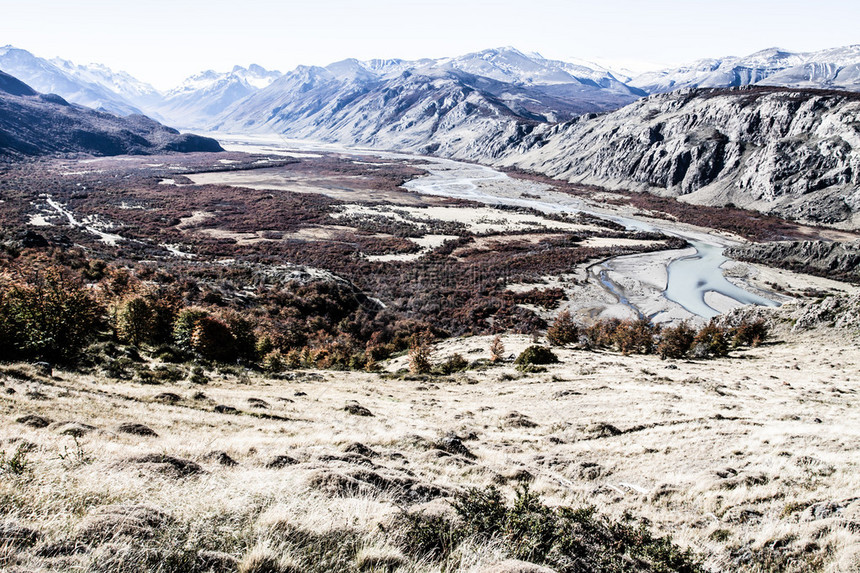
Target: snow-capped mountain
column 444, row 112
column 837, row 68
column 425, row 104
column 123, row 84
column 68, row 82
column 203, row 96
column 513, row 66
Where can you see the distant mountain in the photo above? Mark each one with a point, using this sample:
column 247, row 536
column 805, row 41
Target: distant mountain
column 204, row 96
column 790, row 152
column 123, row 84
column 43, row 124
column 837, row 68
column 442, row 105
column 66, row 80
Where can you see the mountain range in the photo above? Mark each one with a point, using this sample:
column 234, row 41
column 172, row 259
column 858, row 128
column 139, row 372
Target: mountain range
column 531, row 87
column 774, row 131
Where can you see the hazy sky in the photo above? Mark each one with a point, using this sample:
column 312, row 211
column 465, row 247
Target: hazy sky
column 163, row 41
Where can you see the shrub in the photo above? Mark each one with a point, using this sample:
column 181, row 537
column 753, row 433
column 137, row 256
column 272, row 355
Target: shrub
column 711, row 340
column 749, row 333
column 184, row 325
column 634, row 336
column 214, row 340
column 420, row 353
column 242, row 331
column 497, row 349
column 195, row 329
column 52, row 317
column 563, row 331
column 133, row 320
column 676, row 342
column 563, row 538
column 600, row 334
column 273, row 362
column 455, row 363
column 535, row 355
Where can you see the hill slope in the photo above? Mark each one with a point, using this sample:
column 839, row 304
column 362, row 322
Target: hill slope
column 795, row 153
column 40, row 124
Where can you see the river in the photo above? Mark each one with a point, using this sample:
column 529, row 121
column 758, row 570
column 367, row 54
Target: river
column 691, row 273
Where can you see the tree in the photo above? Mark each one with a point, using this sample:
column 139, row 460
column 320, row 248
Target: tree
column 420, row 353
column 563, row 331
column 133, row 320
column 51, row 317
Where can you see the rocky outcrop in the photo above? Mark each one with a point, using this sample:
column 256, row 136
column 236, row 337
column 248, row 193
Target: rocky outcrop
column 793, row 153
column 834, row 260
column 43, row 124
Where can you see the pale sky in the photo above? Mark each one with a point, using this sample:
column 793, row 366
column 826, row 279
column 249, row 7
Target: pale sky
column 164, row 41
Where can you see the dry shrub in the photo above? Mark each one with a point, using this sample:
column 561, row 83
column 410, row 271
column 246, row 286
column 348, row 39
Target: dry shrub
column 635, row 336
column 420, row 354
column 711, row 340
column 676, row 341
column 749, row 333
column 563, row 331
column 497, row 349
column 600, row 334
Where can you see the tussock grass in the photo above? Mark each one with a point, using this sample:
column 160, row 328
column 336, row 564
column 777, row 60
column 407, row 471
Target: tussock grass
column 749, row 462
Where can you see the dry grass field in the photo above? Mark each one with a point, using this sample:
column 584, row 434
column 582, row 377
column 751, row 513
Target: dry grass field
column 751, row 461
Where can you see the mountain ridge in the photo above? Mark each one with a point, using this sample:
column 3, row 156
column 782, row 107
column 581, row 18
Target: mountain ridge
column 34, row 124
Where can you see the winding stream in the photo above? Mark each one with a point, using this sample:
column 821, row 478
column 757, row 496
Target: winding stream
column 689, row 276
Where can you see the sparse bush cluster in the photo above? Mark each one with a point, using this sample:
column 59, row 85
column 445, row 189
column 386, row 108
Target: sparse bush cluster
column 563, row 538
column 52, row 314
column 680, row 341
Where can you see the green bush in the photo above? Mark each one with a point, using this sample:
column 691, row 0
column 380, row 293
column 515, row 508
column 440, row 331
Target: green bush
column 52, row 317
column 563, row 538
column 535, row 355
column 454, row 363
column 133, row 320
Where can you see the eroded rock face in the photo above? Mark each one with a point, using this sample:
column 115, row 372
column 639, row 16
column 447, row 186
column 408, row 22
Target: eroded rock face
column 795, row 153
column 833, row 259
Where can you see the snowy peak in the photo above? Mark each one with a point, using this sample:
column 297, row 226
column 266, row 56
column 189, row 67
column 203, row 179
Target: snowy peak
column 66, row 81
column 511, row 65
column 207, row 94
column 253, row 77
column 835, row 68
column 121, row 83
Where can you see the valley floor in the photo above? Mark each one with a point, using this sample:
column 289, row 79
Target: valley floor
column 751, row 461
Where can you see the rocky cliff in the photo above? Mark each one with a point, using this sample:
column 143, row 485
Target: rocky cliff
column 831, row 259
column 793, row 153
